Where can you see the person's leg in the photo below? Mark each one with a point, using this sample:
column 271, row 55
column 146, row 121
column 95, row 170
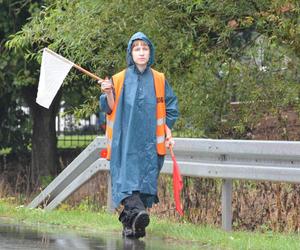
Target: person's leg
column 134, row 216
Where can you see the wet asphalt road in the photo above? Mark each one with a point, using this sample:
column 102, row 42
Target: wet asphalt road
column 33, row 238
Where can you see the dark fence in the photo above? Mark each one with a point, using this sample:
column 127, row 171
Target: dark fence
column 72, row 133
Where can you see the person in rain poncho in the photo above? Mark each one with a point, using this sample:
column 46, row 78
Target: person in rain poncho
column 141, row 109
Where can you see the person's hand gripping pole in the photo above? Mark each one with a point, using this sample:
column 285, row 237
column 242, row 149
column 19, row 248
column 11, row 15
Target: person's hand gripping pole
column 169, row 141
column 107, row 87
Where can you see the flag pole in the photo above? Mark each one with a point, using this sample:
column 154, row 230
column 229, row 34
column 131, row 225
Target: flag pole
column 87, row 72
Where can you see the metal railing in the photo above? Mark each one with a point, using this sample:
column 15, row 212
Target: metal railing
column 225, row 159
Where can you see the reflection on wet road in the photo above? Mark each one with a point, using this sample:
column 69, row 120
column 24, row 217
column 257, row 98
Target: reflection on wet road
column 25, row 237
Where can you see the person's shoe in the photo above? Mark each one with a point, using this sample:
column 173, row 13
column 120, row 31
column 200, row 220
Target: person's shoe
column 140, row 222
column 133, row 243
column 127, row 232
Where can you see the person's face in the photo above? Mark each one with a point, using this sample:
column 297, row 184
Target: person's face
column 140, row 53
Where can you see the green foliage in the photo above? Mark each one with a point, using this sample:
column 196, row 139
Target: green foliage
column 45, row 181
column 212, row 52
column 14, row 122
column 15, row 129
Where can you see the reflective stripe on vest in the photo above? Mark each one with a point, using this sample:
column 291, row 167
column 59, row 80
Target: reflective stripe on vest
column 109, row 123
column 161, row 121
column 159, row 83
column 160, row 139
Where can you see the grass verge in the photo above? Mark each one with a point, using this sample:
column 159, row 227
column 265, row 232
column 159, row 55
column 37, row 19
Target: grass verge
column 205, row 236
column 74, row 141
column 5, row 151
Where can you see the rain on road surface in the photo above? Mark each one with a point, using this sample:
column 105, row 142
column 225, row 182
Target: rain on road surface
column 14, row 237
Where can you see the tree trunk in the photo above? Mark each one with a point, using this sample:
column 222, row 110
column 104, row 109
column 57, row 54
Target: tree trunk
column 44, row 156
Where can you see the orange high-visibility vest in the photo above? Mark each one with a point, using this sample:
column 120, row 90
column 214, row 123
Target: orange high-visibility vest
column 159, row 83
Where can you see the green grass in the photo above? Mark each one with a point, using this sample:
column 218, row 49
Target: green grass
column 183, row 232
column 74, row 141
column 65, row 142
column 5, row 151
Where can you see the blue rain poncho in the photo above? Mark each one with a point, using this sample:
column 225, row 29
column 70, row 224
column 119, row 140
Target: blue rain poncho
column 134, row 163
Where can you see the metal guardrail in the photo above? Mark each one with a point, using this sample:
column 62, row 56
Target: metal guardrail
column 67, row 178
column 225, row 159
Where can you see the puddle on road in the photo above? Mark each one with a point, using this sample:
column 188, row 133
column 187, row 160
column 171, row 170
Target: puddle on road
column 25, row 237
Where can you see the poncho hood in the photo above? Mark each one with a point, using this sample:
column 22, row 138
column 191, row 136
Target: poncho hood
column 139, row 36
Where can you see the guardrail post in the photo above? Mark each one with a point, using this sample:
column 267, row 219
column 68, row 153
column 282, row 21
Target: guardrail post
column 227, row 204
column 110, row 207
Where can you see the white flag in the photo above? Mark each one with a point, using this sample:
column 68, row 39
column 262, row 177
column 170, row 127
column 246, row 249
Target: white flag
column 54, row 70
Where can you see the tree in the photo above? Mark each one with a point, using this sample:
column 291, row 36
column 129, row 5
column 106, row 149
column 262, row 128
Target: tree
column 201, row 45
column 14, row 122
column 16, row 85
